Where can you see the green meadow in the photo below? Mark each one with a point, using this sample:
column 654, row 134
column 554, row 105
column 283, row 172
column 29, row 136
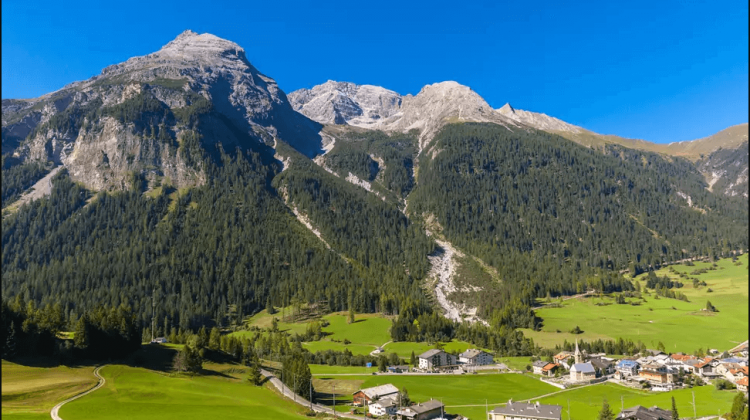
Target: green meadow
column 450, row 389
column 31, row 392
column 681, row 326
column 137, row 393
column 585, row 403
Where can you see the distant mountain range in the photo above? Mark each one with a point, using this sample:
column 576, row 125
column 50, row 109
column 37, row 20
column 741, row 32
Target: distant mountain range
column 189, row 170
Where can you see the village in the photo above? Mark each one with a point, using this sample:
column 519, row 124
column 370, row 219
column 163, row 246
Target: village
column 653, row 370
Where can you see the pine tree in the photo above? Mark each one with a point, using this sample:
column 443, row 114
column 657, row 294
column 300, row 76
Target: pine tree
column 10, row 342
column 81, row 336
column 606, row 412
column 675, row 414
column 351, row 315
column 269, row 307
column 413, row 359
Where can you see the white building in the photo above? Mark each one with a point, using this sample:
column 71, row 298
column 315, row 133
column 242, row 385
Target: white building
column 475, row 357
column 384, row 407
column 435, row 358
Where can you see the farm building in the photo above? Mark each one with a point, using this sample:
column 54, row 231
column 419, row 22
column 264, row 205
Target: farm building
column 475, row 357
column 524, row 411
column 366, row 396
column 423, row 411
column 550, row 369
column 742, row 384
column 604, row 366
column 435, row 358
column 398, row 368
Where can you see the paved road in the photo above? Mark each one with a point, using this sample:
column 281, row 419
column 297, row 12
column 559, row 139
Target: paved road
column 56, row 409
column 286, row 392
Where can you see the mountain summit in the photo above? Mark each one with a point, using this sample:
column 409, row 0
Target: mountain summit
column 139, row 117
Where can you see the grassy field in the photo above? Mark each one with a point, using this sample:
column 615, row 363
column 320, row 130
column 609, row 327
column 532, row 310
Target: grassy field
column 585, row 403
column 451, row 389
column 31, row 392
column 137, row 393
column 326, row 370
column 681, row 326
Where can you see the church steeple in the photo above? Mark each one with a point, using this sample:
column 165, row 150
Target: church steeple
column 578, row 356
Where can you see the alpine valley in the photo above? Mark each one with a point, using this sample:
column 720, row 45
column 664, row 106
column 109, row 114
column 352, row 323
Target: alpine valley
column 187, row 176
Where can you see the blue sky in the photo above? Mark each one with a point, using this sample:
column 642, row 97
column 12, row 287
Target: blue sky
column 656, row 70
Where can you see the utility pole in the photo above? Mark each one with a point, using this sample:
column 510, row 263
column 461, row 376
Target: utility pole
column 568, row 409
column 695, row 413
column 294, row 390
column 334, row 400
column 311, row 409
column 622, row 403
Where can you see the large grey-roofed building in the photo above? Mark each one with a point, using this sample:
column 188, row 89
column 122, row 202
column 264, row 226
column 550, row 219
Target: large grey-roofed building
column 524, row 411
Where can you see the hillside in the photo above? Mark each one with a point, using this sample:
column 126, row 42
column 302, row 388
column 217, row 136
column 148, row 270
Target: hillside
column 186, row 175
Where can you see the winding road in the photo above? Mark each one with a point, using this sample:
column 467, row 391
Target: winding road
column 56, row 409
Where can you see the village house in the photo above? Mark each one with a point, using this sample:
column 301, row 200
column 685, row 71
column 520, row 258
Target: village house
column 642, row 413
column 550, row 369
column 475, row 357
column 604, row 366
column 384, row 407
column 730, row 371
column 740, row 350
column 582, row 372
column 679, row 358
column 159, row 340
column 538, row 366
column 742, row 384
column 524, row 411
column 562, row 358
column 435, row 358
column 423, row 411
column 627, row 367
column 366, row 396
column 654, row 373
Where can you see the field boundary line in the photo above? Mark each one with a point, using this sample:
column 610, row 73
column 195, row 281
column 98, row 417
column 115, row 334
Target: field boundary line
column 55, row 410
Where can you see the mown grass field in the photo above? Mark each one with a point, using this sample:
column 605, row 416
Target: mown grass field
column 137, row 393
column 585, row 403
column 681, row 326
column 451, row 389
column 31, row 392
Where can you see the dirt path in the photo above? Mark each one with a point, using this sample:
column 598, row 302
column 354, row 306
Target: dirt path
column 372, row 353
column 54, row 413
column 286, row 392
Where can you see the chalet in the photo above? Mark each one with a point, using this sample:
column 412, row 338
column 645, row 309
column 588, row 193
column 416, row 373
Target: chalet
column 384, row 407
column 159, row 340
column 739, row 350
column 654, row 373
column 550, row 369
column 651, row 352
column 435, row 358
column 604, row 366
column 423, row 411
column 627, row 367
column 475, row 357
column 523, row 411
column 582, row 372
column 368, row 395
column 562, row 358
column 705, row 367
column 679, row 358
column 538, row 366
column 642, row 413
column 690, row 366
column 742, row 384
column 729, row 370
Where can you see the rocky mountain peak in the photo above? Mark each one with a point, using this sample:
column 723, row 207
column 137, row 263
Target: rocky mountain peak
column 506, row 109
column 346, row 103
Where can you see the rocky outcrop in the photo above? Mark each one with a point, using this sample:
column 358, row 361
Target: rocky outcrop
column 131, row 119
column 539, row 121
column 726, row 171
column 378, row 108
column 346, row 103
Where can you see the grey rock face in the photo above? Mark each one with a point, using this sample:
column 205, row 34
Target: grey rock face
column 537, row 120
column 726, row 171
column 246, row 106
column 346, row 103
column 378, row 108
